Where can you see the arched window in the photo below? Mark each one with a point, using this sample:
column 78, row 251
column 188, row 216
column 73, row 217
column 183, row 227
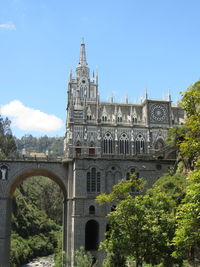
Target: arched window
column 91, row 235
column 92, row 210
column 108, row 144
column 119, row 119
column 104, row 118
column 91, row 149
column 159, row 144
column 93, row 181
column 78, row 148
column 123, row 144
column 140, row 144
column 89, row 117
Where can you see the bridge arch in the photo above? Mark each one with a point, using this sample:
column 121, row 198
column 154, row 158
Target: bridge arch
column 15, row 173
column 36, row 172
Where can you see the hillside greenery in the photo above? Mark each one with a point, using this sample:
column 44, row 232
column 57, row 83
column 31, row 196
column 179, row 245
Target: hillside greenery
column 54, row 145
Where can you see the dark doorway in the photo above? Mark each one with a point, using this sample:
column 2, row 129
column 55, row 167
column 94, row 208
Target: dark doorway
column 91, row 235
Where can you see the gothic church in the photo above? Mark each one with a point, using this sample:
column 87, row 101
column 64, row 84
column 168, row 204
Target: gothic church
column 106, row 141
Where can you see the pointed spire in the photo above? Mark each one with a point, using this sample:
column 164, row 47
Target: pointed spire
column 82, row 60
column 146, row 94
column 127, row 99
column 169, row 95
column 96, row 75
column 70, row 74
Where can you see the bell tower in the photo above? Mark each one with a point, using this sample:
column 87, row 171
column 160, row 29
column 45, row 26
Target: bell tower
column 82, row 93
column 82, row 88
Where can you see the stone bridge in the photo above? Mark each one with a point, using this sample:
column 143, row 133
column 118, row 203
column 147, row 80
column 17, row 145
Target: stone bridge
column 12, row 173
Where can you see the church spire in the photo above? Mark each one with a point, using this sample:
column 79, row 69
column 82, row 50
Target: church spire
column 82, row 60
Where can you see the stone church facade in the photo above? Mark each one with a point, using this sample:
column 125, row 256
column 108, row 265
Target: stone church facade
column 107, row 141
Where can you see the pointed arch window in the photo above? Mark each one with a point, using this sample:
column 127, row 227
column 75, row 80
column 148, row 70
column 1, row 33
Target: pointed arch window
column 89, row 117
column 119, row 119
column 93, row 181
column 123, row 144
column 104, row 118
column 140, row 144
column 108, row 144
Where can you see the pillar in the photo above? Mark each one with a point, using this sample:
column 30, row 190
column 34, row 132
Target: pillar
column 64, row 243
column 5, row 231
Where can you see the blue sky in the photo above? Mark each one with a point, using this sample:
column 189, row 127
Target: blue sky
column 134, row 44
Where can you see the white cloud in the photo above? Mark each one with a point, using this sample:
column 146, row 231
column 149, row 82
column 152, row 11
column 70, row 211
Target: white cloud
column 29, row 119
column 8, row 26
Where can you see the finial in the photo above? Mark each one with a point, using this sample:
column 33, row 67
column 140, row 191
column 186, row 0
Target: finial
column 70, row 73
column 146, row 94
column 96, row 75
column 169, row 95
column 127, row 99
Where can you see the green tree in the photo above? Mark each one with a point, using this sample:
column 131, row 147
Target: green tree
column 190, row 147
column 7, row 142
column 142, row 226
column 187, row 236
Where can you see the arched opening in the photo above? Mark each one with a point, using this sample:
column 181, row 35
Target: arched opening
column 92, row 235
column 92, row 210
column 37, row 223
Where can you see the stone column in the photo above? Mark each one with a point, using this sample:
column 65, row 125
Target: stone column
column 64, row 244
column 5, row 230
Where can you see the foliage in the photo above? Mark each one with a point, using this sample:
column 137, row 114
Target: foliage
column 187, row 238
column 7, row 142
column 173, row 186
column 38, row 187
column 142, row 226
column 176, row 135
column 82, row 258
column 34, row 233
column 122, row 190
column 190, row 147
